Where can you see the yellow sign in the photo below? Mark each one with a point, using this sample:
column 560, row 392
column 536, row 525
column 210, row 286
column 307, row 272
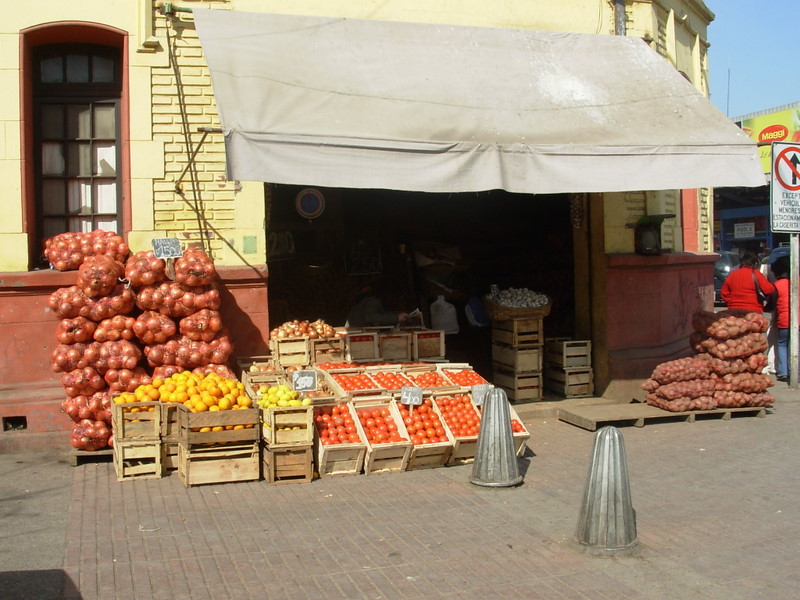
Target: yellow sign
column 780, row 126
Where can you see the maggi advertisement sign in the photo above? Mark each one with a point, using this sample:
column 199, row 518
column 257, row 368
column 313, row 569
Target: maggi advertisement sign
column 780, row 126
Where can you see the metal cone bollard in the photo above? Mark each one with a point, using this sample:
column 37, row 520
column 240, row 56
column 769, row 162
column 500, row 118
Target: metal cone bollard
column 495, row 457
column 607, row 521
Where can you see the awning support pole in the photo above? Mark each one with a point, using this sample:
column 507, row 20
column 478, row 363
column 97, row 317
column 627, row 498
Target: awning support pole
column 205, row 131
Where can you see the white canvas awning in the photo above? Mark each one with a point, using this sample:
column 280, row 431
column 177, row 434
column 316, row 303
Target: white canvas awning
column 375, row 104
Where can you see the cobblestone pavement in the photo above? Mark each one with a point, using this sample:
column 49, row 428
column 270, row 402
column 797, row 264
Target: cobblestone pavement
column 717, row 504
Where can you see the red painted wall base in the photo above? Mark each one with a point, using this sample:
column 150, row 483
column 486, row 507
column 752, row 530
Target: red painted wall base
column 31, row 394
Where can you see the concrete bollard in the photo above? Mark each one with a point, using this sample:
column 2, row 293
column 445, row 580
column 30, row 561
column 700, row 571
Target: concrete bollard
column 495, row 457
column 607, row 520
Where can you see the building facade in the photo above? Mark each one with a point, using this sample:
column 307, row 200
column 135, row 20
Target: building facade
column 109, row 122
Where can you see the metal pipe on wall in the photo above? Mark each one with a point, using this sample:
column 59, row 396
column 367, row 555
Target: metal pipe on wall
column 620, row 27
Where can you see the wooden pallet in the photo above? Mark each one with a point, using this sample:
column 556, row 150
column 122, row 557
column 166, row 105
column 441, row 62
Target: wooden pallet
column 638, row 414
column 78, row 457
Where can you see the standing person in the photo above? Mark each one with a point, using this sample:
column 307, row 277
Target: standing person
column 781, row 318
column 739, row 288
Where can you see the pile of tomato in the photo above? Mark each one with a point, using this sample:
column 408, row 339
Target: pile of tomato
column 355, row 381
column 335, row 425
column 465, row 377
column 390, row 380
column 517, row 427
column 423, row 424
column 429, row 379
column 460, row 415
column 379, row 425
column 327, row 366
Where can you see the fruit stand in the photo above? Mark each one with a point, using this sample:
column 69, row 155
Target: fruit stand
column 144, row 359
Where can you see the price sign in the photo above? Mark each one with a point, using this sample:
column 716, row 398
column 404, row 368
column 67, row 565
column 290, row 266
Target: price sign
column 411, row 395
column 167, row 247
column 479, row 392
column 304, row 381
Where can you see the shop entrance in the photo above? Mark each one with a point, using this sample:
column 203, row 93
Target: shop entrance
column 418, row 246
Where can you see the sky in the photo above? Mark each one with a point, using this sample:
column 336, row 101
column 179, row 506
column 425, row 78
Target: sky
column 754, row 58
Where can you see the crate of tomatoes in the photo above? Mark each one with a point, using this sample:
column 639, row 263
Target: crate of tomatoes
column 351, row 383
column 389, row 378
column 339, row 448
column 460, row 374
column 428, row 377
column 379, row 422
column 463, row 420
column 431, row 442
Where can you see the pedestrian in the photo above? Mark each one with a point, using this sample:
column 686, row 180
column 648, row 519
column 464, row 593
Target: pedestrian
column 781, row 317
column 739, row 290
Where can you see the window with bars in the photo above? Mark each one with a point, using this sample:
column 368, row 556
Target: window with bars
column 76, row 137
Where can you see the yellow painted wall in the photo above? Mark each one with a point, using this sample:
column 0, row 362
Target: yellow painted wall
column 233, row 213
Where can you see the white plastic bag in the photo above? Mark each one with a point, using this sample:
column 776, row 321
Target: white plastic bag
column 444, row 316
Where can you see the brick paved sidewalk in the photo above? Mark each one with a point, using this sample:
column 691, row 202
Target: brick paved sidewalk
column 717, row 511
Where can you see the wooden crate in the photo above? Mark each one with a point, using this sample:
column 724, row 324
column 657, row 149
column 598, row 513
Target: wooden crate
column 169, row 456
column 362, row 345
column 290, row 352
column 389, row 378
column 391, row 457
column 395, row 346
column 338, row 459
column 519, row 385
column 520, row 437
column 427, row 344
column 170, row 425
column 136, row 421
column 324, row 350
column 287, row 425
column 337, row 380
column 463, row 451
column 253, row 381
column 428, row 377
column 137, row 460
column 566, row 353
column 576, row 382
column 218, row 427
column 219, row 464
column 436, row 454
column 254, row 364
column 519, row 333
column 291, row 464
column 461, row 375
column 508, row 358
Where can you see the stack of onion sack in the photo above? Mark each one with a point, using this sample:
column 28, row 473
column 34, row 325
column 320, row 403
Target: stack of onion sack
column 97, row 352
column 180, row 325
column 726, row 372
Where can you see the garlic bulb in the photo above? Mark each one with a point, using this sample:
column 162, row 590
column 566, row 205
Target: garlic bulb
column 518, row 297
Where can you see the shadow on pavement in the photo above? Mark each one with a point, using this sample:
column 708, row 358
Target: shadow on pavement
column 50, row 584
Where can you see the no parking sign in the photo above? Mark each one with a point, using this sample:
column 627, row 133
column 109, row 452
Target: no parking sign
column 785, row 188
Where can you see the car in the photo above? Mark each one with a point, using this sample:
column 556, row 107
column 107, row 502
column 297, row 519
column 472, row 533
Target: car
column 728, row 260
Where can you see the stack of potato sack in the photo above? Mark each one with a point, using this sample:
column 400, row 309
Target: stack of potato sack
column 725, row 372
column 121, row 311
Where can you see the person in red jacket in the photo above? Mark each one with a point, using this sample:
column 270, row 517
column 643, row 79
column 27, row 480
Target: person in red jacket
column 739, row 288
column 781, row 317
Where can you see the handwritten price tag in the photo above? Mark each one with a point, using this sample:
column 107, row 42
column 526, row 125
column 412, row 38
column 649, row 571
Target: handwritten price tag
column 411, row 395
column 479, row 392
column 304, row 381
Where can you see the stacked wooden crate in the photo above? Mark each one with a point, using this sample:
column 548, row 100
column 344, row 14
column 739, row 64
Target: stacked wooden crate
column 137, row 440
column 218, row 446
column 288, row 437
column 568, row 367
column 517, row 356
